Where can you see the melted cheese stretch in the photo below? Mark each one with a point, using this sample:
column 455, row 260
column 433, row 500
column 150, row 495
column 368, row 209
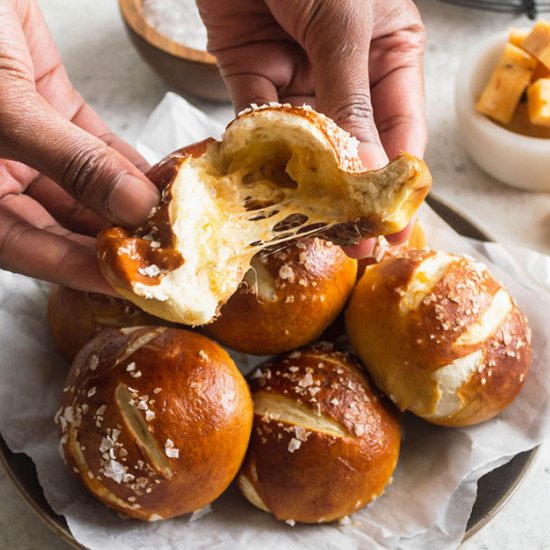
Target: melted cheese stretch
column 227, row 204
column 217, row 236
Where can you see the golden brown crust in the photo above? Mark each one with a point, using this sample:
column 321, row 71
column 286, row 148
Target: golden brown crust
column 433, row 335
column 154, row 421
column 261, row 186
column 287, row 298
column 75, row 317
column 338, row 455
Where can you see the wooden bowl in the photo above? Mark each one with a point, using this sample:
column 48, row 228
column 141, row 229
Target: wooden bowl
column 185, row 69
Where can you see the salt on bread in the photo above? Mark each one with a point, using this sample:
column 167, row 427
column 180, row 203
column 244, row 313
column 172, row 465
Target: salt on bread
column 324, row 442
column 154, row 421
column 287, row 298
column 280, row 173
column 440, row 336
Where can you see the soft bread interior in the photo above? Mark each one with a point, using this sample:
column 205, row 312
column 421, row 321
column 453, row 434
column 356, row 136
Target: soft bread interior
column 276, row 176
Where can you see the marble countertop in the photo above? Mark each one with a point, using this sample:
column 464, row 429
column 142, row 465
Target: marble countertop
column 116, row 82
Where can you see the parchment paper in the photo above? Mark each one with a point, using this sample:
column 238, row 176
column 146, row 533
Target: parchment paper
column 434, row 487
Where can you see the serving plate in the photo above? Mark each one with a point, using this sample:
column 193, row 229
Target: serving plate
column 494, row 489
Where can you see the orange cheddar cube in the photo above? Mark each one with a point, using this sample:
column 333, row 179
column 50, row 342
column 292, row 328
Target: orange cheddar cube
column 517, row 36
column 540, row 72
column 538, row 101
column 537, row 43
column 511, row 76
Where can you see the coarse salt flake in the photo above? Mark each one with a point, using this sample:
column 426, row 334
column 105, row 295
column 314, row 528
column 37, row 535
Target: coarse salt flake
column 306, row 381
column 94, row 362
column 170, row 450
column 294, row 445
column 149, row 271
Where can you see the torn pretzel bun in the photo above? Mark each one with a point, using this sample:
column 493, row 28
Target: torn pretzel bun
column 440, row 336
column 324, row 442
column 75, row 317
column 280, row 173
column 287, row 298
column 154, row 421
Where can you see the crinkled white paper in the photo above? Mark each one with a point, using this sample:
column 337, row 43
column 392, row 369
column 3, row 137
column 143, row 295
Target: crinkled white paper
column 434, row 487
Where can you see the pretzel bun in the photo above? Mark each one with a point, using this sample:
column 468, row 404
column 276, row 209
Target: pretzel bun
column 310, row 279
column 75, row 317
column 324, row 442
column 440, row 336
column 280, row 173
column 154, row 421
column 382, row 249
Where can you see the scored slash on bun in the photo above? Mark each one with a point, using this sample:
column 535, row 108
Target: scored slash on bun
column 154, row 421
column 75, row 317
column 280, row 173
column 324, row 442
column 440, row 336
column 286, row 299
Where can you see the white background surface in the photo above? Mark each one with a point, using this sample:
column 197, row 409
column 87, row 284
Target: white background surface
column 111, row 76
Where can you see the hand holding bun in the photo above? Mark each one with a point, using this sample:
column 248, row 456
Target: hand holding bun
column 324, row 442
column 440, row 336
column 280, row 173
column 287, row 298
column 75, row 317
column 154, row 421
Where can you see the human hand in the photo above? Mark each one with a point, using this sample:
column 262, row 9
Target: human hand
column 358, row 62
column 56, row 153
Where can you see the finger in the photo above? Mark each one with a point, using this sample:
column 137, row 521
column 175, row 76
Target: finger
column 66, row 210
column 401, row 236
column 361, row 250
column 32, row 251
column 372, row 156
column 298, row 100
column 95, row 174
column 54, row 85
column 398, row 92
column 259, row 73
column 248, row 89
column 339, row 55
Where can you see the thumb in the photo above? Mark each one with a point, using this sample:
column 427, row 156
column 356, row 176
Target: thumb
column 87, row 168
column 337, row 40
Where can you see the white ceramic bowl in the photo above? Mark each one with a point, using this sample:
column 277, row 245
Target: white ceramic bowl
column 512, row 158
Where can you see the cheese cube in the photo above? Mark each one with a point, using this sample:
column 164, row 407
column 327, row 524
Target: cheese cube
column 537, row 42
column 511, row 76
column 540, row 72
column 520, row 124
column 538, row 101
column 517, row 36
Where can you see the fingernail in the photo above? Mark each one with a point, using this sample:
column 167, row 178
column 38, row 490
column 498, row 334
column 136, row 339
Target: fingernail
column 372, row 155
column 360, row 250
column 131, row 200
